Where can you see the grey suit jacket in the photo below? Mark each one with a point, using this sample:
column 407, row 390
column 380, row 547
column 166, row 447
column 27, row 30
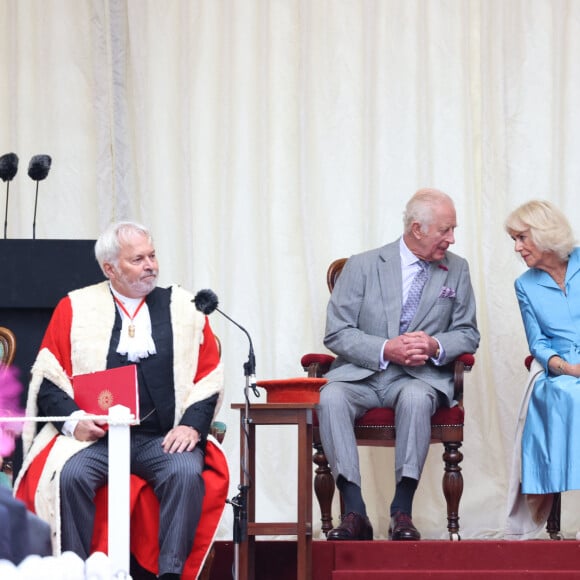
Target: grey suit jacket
column 365, row 309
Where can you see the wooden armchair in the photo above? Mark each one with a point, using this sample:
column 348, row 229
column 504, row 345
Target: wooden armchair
column 7, row 346
column 377, row 428
column 7, row 354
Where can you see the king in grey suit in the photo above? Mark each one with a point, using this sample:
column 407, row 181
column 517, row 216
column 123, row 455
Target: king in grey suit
column 382, row 364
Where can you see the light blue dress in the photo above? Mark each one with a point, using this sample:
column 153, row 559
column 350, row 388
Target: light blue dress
column 551, row 438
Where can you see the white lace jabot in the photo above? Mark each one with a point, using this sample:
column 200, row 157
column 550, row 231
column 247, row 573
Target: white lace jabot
column 141, row 344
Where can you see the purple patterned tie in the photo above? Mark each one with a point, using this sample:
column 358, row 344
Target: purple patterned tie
column 412, row 302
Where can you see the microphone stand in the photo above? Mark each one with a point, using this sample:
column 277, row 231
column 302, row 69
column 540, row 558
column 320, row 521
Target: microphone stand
column 6, row 211
column 34, row 220
column 239, row 502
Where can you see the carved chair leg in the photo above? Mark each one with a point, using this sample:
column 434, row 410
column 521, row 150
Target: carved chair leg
column 553, row 524
column 452, row 486
column 323, row 487
column 205, row 573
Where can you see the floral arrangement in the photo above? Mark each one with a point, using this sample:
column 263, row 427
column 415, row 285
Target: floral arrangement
column 10, row 389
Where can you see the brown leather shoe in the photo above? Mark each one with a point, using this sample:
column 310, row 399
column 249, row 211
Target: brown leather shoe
column 402, row 528
column 353, row 527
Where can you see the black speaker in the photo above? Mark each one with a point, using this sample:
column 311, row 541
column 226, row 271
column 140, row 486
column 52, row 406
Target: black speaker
column 36, row 274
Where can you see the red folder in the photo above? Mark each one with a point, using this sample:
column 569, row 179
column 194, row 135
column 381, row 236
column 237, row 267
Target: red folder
column 96, row 392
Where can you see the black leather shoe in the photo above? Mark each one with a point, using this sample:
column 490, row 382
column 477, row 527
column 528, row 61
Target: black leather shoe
column 402, row 528
column 353, row 527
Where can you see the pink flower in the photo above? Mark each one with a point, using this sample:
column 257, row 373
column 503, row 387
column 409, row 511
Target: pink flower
column 10, row 389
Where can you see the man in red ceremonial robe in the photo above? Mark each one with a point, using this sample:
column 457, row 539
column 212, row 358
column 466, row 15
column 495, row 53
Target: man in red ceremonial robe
column 180, row 476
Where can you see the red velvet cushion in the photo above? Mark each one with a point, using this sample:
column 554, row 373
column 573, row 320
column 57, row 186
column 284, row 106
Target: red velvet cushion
column 467, row 359
column 323, row 359
column 294, row 390
column 386, row 417
column 443, row 416
column 448, row 416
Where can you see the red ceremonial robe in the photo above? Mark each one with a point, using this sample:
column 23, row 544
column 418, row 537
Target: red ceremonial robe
column 144, row 506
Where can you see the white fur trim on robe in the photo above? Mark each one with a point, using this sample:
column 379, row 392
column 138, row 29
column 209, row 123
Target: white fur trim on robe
column 92, row 324
column 526, row 513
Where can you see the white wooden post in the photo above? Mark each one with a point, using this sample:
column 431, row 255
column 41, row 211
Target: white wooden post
column 119, row 493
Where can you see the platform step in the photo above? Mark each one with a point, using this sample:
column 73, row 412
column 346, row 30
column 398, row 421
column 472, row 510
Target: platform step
column 383, row 560
column 471, row 575
column 435, row 559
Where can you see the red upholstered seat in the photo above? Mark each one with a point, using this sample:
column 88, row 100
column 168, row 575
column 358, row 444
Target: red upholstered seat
column 386, row 417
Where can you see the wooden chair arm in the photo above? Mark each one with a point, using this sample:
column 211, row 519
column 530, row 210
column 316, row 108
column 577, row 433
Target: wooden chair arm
column 218, row 430
column 7, row 346
column 316, row 365
column 462, row 364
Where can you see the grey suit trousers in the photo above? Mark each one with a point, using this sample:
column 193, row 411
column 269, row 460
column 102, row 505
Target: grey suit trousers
column 341, row 403
column 176, row 479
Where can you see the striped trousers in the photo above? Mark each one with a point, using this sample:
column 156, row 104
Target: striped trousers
column 176, row 479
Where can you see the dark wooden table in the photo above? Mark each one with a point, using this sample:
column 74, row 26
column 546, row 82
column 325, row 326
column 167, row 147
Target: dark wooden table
column 299, row 414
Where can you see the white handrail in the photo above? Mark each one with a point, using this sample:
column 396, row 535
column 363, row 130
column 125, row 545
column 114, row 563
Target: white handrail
column 119, row 493
column 62, row 419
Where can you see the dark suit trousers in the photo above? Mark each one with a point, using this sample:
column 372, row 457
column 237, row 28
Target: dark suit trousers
column 21, row 532
column 176, row 479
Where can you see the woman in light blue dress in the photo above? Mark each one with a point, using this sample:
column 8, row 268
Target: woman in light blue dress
column 549, row 298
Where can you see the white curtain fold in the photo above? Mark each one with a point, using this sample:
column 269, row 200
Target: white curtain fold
column 261, row 139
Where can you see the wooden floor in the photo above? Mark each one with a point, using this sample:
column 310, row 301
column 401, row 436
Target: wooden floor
column 384, row 560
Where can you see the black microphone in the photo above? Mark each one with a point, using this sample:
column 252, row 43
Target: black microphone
column 8, row 169
column 206, row 301
column 38, row 169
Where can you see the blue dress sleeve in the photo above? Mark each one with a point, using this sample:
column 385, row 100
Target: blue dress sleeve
column 539, row 344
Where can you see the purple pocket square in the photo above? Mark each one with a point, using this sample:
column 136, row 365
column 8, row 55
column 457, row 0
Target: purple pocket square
column 447, row 292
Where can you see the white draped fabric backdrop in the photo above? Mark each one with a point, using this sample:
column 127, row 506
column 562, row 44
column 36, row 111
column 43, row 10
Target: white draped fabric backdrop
column 261, row 139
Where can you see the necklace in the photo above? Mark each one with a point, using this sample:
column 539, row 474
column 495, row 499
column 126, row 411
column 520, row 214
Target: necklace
column 131, row 328
column 559, row 278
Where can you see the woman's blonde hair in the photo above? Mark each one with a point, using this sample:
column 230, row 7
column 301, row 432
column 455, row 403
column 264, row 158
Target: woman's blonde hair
column 549, row 229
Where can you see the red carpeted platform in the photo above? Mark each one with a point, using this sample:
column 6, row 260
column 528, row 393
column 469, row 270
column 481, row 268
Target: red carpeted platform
column 383, row 560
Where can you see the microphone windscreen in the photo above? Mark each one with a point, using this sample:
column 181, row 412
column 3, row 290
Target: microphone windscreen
column 8, row 166
column 39, row 167
column 206, row 301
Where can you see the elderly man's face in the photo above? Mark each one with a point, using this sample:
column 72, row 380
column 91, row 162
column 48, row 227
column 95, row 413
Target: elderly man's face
column 136, row 271
column 433, row 244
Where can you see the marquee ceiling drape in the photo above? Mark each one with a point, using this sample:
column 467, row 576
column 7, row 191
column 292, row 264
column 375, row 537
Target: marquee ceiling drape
column 261, row 139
